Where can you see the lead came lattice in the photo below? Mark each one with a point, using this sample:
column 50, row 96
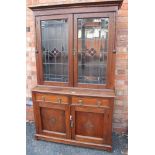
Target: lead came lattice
column 55, row 52
column 91, row 51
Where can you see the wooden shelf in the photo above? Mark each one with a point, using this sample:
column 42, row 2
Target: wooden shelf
column 75, row 91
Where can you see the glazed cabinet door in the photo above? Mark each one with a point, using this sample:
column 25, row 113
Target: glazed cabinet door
column 93, row 45
column 52, row 115
column 54, row 50
column 91, row 124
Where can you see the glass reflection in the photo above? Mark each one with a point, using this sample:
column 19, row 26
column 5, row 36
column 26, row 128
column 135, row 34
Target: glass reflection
column 92, row 50
column 55, row 50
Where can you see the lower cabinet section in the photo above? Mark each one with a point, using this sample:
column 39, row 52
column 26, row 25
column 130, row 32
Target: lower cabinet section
column 77, row 120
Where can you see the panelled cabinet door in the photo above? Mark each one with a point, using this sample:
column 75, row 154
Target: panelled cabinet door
column 91, row 124
column 94, row 43
column 52, row 119
column 54, row 45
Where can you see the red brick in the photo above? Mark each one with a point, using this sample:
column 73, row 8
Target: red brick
column 126, row 82
column 120, row 82
column 120, row 77
column 125, row 1
column 121, row 64
column 117, row 120
column 124, row 6
column 121, row 97
column 122, row 43
column 122, row 13
column 121, row 71
column 29, row 2
column 122, row 25
column 122, row 56
column 35, row 2
column 119, row 102
column 121, row 49
column 120, row 130
column 122, row 19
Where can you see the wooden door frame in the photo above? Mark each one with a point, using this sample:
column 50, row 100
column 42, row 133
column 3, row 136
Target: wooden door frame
column 107, row 122
column 65, row 107
column 40, row 80
column 111, row 48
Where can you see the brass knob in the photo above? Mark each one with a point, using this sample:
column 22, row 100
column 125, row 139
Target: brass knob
column 98, row 103
column 43, row 98
column 59, row 100
column 80, row 101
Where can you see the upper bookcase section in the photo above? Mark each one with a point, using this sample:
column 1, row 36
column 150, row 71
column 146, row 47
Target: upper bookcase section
column 75, row 43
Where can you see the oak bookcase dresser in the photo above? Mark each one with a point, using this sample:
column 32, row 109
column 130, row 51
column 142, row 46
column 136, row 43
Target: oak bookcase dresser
column 75, row 59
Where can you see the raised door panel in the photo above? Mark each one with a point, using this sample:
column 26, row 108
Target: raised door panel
column 53, row 120
column 91, row 124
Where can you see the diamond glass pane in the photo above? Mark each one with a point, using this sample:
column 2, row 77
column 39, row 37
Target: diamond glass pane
column 92, row 50
column 55, row 50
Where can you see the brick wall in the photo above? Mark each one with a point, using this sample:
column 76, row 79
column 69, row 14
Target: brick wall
column 120, row 117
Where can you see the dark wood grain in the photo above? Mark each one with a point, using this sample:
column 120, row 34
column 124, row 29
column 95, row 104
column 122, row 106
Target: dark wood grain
column 91, row 119
column 75, row 91
column 105, row 3
column 53, row 119
column 74, row 142
column 71, row 112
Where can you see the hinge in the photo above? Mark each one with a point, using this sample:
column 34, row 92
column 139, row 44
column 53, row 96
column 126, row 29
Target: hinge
column 71, row 121
column 36, row 51
column 114, row 51
column 74, row 52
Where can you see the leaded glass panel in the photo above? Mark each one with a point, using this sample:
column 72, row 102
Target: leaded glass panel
column 92, row 50
column 55, row 50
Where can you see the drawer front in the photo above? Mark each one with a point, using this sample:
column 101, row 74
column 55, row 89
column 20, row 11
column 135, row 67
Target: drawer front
column 91, row 101
column 51, row 98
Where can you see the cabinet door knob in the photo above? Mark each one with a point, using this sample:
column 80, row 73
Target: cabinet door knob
column 43, row 98
column 59, row 100
column 80, row 101
column 98, row 103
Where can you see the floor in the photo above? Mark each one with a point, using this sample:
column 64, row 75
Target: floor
column 34, row 147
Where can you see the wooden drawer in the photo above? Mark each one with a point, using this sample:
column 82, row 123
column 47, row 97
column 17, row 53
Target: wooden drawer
column 91, row 101
column 51, row 98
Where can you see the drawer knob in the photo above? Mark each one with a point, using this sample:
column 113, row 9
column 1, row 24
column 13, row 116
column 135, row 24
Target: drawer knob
column 80, row 101
column 43, row 98
column 59, row 100
column 98, row 103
